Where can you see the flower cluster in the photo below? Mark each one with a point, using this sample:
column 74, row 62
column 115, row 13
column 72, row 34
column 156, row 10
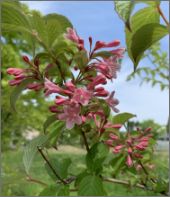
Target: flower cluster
column 73, row 96
column 131, row 145
column 76, row 97
column 29, row 73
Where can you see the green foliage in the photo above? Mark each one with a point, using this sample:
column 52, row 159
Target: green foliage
column 122, row 118
column 31, row 150
column 49, row 191
column 143, row 29
column 117, row 164
column 96, row 157
column 81, row 59
column 124, row 9
column 18, row 90
column 49, row 121
column 91, row 185
column 60, row 166
column 144, row 38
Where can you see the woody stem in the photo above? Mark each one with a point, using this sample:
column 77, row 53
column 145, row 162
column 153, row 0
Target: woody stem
column 50, row 166
column 85, row 141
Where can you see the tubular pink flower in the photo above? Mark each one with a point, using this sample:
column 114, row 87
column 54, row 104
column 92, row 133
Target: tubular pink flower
column 99, row 79
column 111, row 125
column 71, row 115
column 112, row 102
column 100, row 44
column 81, row 96
column 118, row 52
column 108, row 67
column 72, row 35
column 15, row 71
column 117, row 149
column 113, row 137
column 35, row 86
column 70, row 86
column 109, row 142
column 129, row 150
column 15, row 82
column 54, row 109
column 50, row 87
column 60, row 100
column 129, row 161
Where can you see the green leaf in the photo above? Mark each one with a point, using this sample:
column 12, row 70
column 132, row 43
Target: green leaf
column 13, row 15
column 49, row 121
column 124, row 10
column 81, row 59
column 117, row 163
column 142, row 17
column 49, row 28
column 51, row 190
column 122, row 118
column 144, row 38
column 31, row 150
column 63, row 190
column 91, row 185
column 55, row 132
column 17, row 91
column 55, row 190
column 96, row 156
column 60, row 165
column 56, row 25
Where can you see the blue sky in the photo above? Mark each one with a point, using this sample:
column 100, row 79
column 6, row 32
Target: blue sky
column 99, row 20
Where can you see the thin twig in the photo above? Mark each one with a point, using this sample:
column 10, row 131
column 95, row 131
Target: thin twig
column 122, row 182
column 49, row 164
column 85, row 141
column 28, row 178
column 162, row 15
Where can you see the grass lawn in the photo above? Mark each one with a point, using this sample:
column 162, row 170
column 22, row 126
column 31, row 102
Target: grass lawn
column 14, row 181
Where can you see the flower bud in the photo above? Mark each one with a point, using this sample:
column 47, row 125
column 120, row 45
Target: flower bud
column 26, row 59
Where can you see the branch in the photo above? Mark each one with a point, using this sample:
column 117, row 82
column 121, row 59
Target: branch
column 51, row 167
column 111, row 180
column 28, row 178
column 162, row 15
column 85, row 141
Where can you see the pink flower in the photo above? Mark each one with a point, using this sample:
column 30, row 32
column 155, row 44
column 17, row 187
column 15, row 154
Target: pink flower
column 112, row 102
column 118, row 52
column 15, row 82
column 113, row 137
column 129, row 161
column 72, row 35
column 109, row 142
column 81, row 96
column 101, row 92
column 15, row 71
column 54, row 109
column 60, row 100
column 70, row 86
column 99, row 79
column 117, row 148
column 111, row 125
column 100, row 44
column 35, row 86
column 142, row 145
column 109, row 67
column 50, row 87
column 71, row 115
